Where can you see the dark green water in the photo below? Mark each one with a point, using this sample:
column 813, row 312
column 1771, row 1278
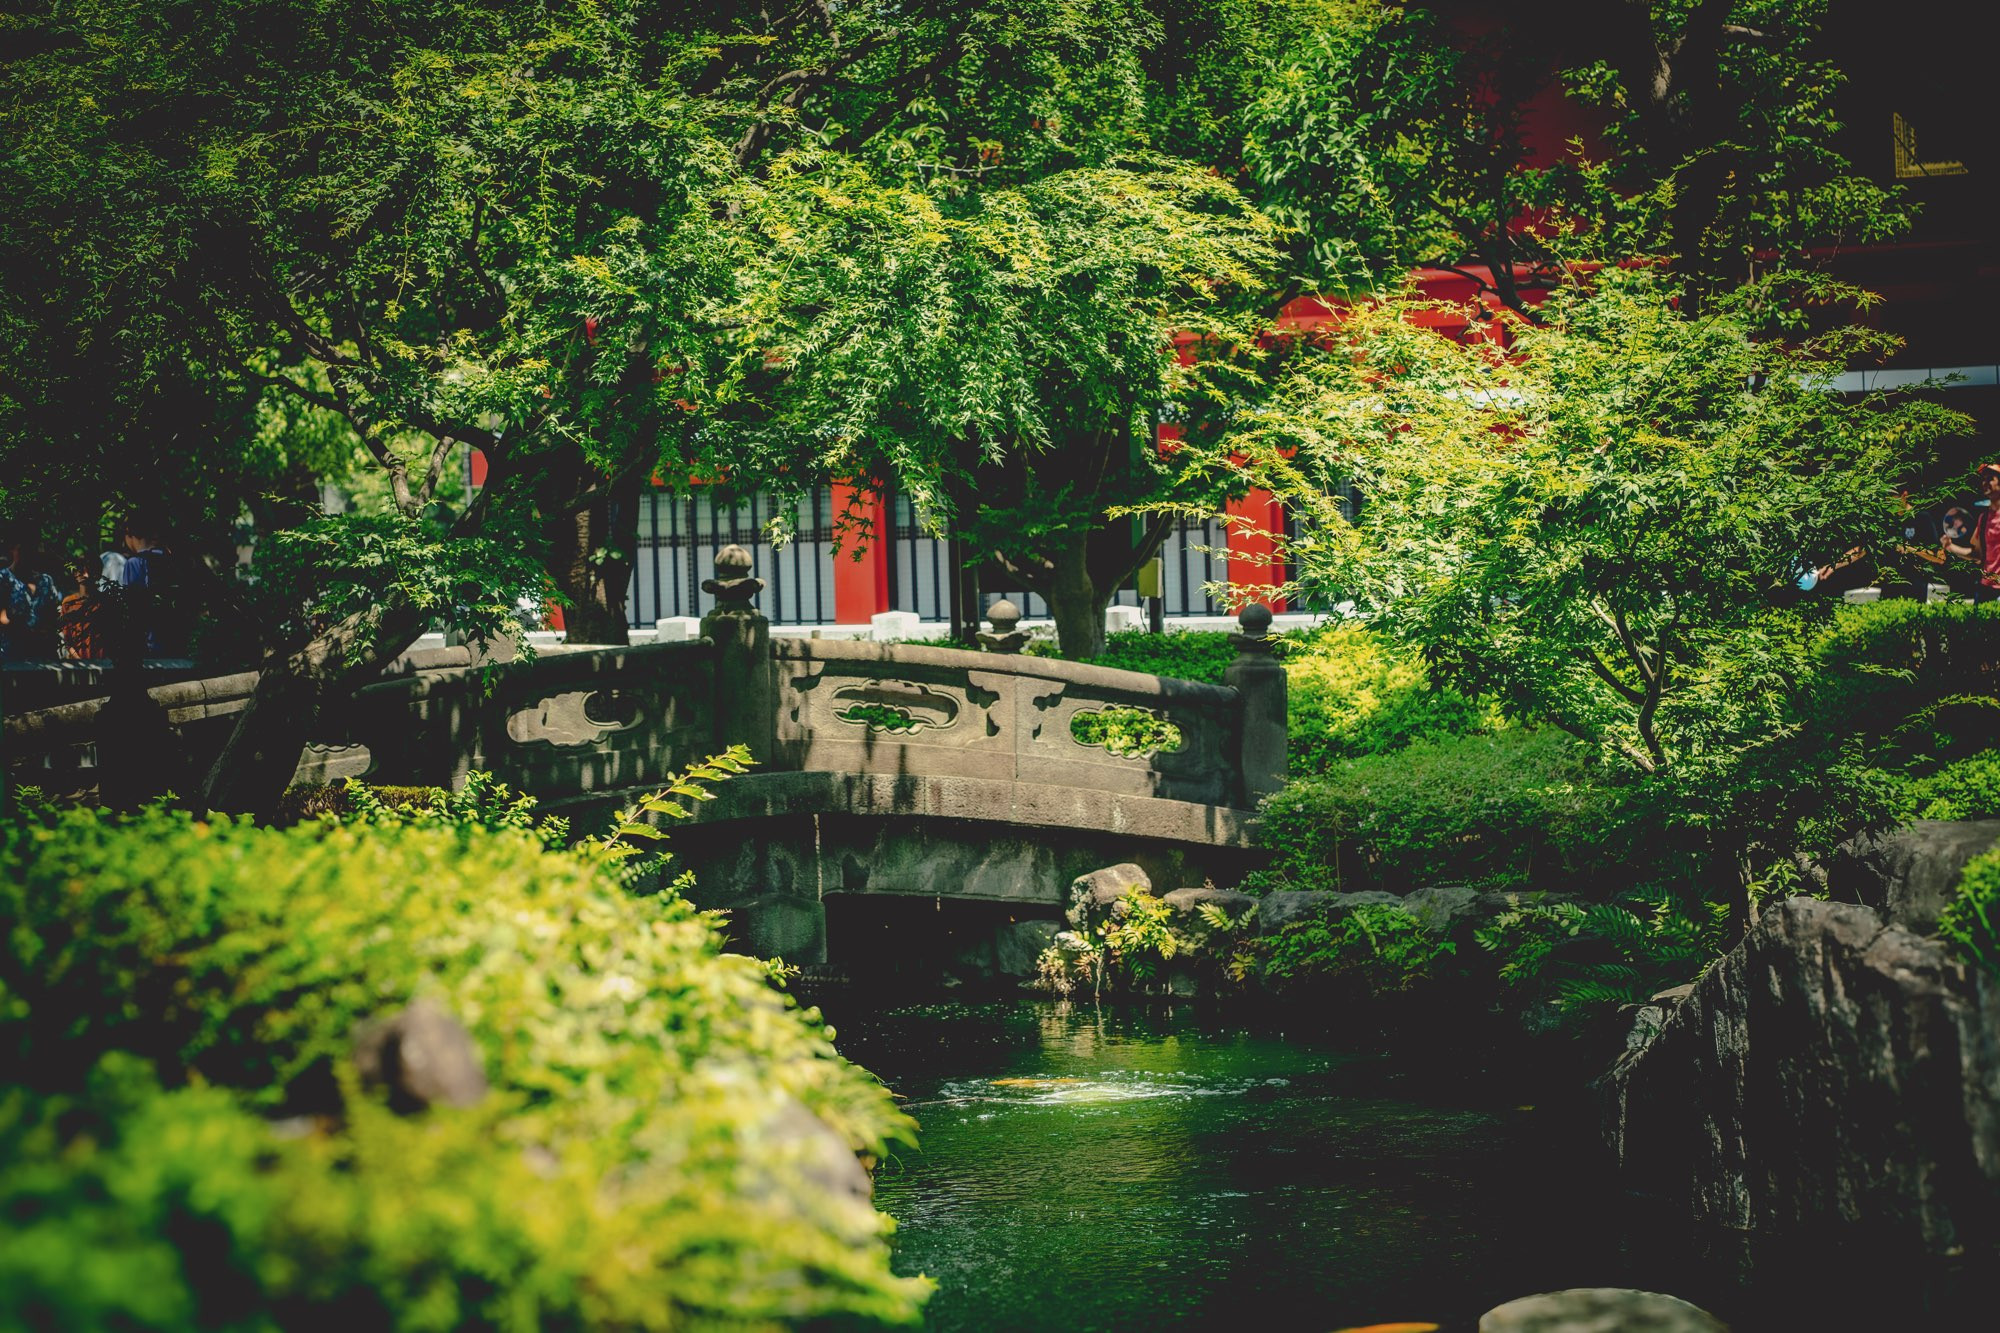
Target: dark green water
column 1167, row 1168
column 1162, row 1172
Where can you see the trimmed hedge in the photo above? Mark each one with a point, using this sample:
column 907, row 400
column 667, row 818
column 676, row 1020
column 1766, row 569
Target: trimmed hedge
column 186, row 1145
column 1517, row 808
column 1198, row 654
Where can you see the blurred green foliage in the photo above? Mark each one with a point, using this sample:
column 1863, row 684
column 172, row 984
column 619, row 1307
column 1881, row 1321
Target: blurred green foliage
column 187, row 1147
column 1971, row 921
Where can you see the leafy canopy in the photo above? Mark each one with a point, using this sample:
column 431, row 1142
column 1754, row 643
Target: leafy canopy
column 1389, row 136
column 915, row 336
column 1586, row 522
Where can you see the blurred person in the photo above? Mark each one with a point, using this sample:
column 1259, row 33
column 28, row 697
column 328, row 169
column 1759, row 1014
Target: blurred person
column 29, row 607
column 1982, row 544
column 111, row 561
column 150, row 580
column 83, row 613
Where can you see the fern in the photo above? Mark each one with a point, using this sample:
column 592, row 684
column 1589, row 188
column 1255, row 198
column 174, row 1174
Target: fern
column 669, row 802
column 1554, row 951
column 485, row 804
column 1380, row 948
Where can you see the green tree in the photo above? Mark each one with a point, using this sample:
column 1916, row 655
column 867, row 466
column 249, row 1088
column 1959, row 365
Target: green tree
column 1597, row 524
column 1031, row 149
column 1390, row 137
column 487, row 227
column 1008, row 355
column 514, row 228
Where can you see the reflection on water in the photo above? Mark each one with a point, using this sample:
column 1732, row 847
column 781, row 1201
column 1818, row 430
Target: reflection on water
column 1114, row 1169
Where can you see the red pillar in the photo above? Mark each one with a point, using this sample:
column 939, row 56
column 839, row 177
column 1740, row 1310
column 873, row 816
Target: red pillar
column 1252, row 521
column 860, row 586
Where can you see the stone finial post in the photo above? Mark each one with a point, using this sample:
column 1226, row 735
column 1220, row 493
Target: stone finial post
column 1005, row 636
column 1259, row 678
column 746, row 679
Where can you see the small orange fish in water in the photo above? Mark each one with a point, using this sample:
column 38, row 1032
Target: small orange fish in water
column 1392, row 1328
column 1032, row 1082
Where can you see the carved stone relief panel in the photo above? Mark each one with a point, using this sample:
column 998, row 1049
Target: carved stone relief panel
column 577, row 717
column 894, row 706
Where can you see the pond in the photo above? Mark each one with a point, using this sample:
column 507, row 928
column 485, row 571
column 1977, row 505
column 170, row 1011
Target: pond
column 1089, row 1168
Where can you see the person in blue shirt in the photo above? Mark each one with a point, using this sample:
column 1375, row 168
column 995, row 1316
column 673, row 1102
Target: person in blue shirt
column 148, row 579
column 30, row 607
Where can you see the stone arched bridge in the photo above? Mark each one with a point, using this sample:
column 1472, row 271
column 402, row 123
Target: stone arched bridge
column 882, row 768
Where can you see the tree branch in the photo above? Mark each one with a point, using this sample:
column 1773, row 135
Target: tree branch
column 1603, row 671
column 1648, row 672
column 802, row 83
column 1158, row 529
column 897, row 96
column 301, row 392
column 1036, row 581
column 1646, row 733
column 435, row 471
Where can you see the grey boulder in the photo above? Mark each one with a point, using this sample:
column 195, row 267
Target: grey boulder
column 1282, row 908
column 1599, row 1310
column 1910, row 873
column 1018, row 946
column 1441, row 908
column 1101, row 890
column 1188, row 901
column 1832, row 1073
column 423, row 1056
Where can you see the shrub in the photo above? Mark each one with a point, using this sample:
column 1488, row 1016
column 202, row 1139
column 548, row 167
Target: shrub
column 1971, row 921
column 1182, row 654
column 1918, row 683
column 1502, row 810
column 1126, row 731
column 1375, row 947
column 308, row 801
column 647, row 1159
column 1134, row 943
column 1812, row 733
column 1351, row 692
column 878, row 717
column 1354, row 694
column 1967, row 789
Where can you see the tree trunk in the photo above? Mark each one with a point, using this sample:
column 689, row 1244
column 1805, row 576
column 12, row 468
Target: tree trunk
column 590, row 559
column 1075, row 601
column 262, row 752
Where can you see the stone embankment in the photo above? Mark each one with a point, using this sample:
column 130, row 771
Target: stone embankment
column 1836, row 1074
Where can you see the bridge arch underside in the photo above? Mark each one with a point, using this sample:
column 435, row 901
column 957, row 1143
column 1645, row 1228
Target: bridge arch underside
column 774, row 847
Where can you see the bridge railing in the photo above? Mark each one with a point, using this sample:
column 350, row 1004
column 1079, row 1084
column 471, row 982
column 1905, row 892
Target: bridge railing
column 859, row 707
column 571, row 726
column 564, row 724
column 55, row 746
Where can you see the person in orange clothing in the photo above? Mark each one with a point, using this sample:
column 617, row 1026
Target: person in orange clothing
column 1983, row 545
column 82, row 615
